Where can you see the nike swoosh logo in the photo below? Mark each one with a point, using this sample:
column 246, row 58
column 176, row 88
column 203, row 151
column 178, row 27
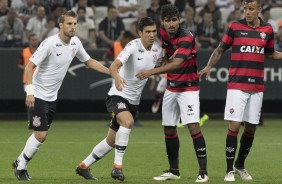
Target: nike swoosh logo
column 59, row 54
column 139, row 58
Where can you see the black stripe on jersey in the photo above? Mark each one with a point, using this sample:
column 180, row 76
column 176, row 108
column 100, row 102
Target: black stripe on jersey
column 182, row 84
column 269, row 50
column 230, row 32
column 249, row 34
column 185, row 70
column 248, row 49
column 185, row 44
column 224, row 45
column 262, row 23
column 167, row 45
column 246, row 79
column 247, row 64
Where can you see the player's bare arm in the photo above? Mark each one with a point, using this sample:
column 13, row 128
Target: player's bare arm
column 114, row 71
column 274, row 55
column 216, row 55
column 29, row 87
column 170, row 66
column 96, row 65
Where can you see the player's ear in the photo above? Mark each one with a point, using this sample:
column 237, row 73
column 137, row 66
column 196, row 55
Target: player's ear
column 60, row 25
column 139, row 33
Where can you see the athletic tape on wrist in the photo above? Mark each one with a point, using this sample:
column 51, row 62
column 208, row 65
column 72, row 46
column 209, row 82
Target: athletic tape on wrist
column 29, row 89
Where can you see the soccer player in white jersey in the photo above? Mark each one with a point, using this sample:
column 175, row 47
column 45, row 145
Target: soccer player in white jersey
column 124, row 97
column 52, row 59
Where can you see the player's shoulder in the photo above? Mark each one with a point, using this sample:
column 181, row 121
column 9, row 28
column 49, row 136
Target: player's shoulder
column 51, row 40
column 134, row 43
column 184, row 34
column 75, row 39
column 156, row 46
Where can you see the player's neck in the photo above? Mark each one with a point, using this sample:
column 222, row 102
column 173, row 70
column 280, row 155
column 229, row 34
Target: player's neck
column 64, row 39
column 254, row 24
column 146, row 46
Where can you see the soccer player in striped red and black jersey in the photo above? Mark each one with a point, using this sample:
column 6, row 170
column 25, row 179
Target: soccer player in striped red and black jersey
column 181, row 98
column 251, row 40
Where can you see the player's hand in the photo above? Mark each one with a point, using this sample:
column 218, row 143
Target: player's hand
column 206, row 70
column 174, row 54
column 29, row 102
column 143, row 75
column 120, row 83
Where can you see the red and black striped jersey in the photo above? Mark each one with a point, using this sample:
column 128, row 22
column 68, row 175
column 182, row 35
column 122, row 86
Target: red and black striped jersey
column 249, row 46
column 184, row 78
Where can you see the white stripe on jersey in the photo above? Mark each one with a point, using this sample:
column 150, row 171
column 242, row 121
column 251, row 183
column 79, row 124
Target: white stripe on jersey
column 135, row 58
column 53, row 58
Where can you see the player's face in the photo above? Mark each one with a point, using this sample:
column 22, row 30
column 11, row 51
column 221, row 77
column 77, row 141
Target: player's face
column 251, row 11
column 33, row 42
column 69, row 26
column 148, row 35
column 171, row 25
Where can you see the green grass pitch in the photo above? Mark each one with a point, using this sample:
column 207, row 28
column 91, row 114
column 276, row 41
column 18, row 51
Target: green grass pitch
column 69, row 142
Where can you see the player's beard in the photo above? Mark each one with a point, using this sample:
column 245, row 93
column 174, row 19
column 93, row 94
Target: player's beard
column 69, row 34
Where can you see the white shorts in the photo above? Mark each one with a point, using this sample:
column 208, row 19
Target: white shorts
column 242, row 106
column 184, row 105
column 161, row 85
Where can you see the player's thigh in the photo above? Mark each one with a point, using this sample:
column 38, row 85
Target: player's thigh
column 50, row 112
column 253, row 108
column 189, row 104
column 170, row 109
column 38, row 119
column 117, row 105
column 236, row 101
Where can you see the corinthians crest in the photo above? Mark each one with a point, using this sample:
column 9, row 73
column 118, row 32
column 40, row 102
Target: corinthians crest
column 36, row 121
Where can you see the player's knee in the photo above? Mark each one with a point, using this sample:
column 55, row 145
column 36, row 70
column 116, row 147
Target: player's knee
column 169, row 131
column 41, row 137
column 250, row 128
column 126, row 122
column 194, row 128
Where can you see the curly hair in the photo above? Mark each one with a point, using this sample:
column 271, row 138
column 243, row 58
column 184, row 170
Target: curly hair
column 169, row 11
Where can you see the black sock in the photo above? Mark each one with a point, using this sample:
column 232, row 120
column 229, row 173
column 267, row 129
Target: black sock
column 200, row 149
column 172, row 150
column 246, row 143
column 230, row 151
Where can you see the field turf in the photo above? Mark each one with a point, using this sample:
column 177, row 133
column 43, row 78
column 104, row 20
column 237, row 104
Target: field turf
column 69, row 142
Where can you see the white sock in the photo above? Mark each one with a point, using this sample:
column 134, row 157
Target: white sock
column 122, row 138
column 99, row 151
column 31, row 147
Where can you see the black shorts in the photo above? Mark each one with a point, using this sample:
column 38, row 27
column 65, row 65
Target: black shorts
column 116, row 104
column 41, row 117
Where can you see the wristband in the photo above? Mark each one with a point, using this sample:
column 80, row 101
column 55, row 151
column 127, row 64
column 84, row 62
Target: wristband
column 29, row 90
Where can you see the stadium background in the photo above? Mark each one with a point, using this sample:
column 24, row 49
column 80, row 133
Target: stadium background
column 83, row 91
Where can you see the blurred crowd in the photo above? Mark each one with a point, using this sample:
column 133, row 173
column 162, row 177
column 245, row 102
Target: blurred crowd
column 102, row 22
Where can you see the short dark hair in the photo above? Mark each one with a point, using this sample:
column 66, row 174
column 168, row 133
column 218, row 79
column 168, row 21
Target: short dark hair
column 250, row 1
column 111, row 7
column 145, row 21
column 69, row 13
column 169, row 11
column 128, row 34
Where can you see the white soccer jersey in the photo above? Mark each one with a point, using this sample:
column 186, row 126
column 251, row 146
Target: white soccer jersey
column 135, row 58
column 53, row 58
